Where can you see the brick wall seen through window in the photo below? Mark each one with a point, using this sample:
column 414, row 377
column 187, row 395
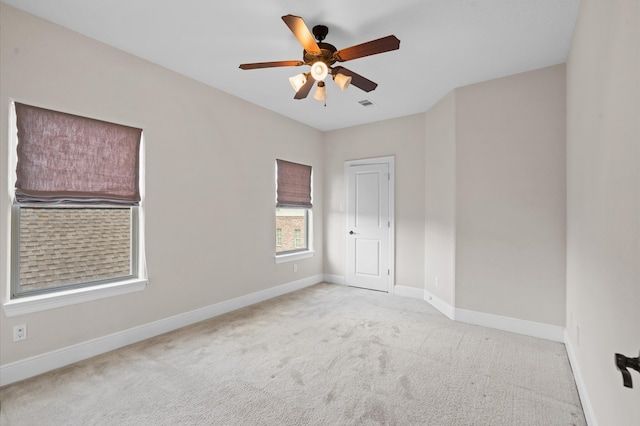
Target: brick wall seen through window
column 288, row 221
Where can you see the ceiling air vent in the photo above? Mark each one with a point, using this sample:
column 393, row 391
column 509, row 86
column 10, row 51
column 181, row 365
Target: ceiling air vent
column 366, row 103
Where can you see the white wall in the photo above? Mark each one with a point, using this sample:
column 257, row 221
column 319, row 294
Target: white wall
column 603, row 240
column 495, row 197
column 210, row 218
column 510, row 199
column 440, row 200
column 402, row 138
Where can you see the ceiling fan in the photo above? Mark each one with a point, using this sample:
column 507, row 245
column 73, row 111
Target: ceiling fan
column 321, row 56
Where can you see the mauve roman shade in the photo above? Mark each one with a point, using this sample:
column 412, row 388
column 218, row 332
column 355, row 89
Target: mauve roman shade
column 294, row 185
column 69, row 159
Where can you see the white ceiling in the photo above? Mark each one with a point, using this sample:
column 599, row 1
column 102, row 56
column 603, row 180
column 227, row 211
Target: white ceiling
column 444, row 44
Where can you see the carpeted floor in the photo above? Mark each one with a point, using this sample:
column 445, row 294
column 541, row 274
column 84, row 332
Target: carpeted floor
column 325, row 355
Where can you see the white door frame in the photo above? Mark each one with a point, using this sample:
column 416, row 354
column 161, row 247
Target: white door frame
column 390, row 161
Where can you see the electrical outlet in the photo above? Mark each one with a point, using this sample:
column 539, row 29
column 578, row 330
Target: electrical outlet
column 19, row 332
column 295, row 267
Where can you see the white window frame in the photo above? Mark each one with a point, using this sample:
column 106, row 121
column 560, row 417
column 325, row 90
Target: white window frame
column 66, row 297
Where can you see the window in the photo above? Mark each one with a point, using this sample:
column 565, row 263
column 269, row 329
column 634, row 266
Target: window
column 293, row 207
column 289, row 225
column 75, row 217
column 298, row 238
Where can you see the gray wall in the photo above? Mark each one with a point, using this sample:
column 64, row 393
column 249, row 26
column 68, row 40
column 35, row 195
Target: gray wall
column 603, row 239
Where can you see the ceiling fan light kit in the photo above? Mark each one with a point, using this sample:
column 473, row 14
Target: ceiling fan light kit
column 322, row 56
column 342, row 81
column 321, row 92
column 297, row 81
column 319, row 71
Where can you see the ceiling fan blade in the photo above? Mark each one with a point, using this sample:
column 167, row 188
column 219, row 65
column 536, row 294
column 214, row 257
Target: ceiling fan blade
column 373, row 47
column 301, row 31
column 306, row 88
column 357, row 80
column 271, row 64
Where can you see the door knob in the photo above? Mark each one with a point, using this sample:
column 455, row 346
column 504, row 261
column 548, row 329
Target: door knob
column 351, row 233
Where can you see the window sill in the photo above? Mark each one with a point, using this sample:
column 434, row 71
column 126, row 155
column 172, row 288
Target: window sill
column 27, row 305
column 283, row 258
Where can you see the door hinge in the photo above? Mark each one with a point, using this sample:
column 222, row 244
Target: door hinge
column 389, row 224
column 388, row 271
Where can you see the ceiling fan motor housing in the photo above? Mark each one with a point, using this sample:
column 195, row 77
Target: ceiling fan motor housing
column 325, row 55
column 326, row 50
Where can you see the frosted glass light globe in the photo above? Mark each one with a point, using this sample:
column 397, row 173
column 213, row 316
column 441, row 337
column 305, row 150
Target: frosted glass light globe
column 319, row 71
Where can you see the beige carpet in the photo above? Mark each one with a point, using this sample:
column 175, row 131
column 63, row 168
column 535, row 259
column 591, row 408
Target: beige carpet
column 325, row 355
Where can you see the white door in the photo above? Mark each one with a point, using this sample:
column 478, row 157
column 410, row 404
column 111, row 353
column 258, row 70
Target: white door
column 369, row 227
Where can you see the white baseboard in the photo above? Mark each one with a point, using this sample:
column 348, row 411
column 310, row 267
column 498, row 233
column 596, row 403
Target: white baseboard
column 528, row 328
column 442, row 306
column 411, row 292
column 334, row 279
column 582, row 389
column 29, row 367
